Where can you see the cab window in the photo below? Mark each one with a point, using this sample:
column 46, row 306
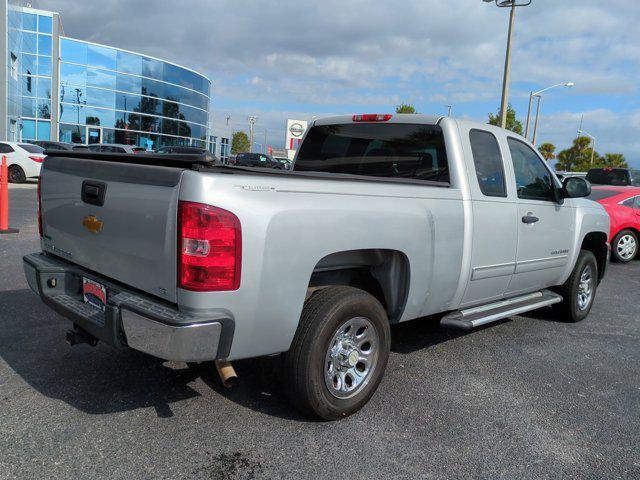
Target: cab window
column 533, row 179
column 488, row 163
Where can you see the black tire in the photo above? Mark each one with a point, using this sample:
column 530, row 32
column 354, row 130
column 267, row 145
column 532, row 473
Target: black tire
column 570, row 309
column 623, row 235
column 323, row 316
column 16, row 174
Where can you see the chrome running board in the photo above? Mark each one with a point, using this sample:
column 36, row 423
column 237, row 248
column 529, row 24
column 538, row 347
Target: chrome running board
column 476, row 316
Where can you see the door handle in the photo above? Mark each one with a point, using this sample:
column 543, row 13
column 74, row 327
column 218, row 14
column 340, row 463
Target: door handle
column 529, row 219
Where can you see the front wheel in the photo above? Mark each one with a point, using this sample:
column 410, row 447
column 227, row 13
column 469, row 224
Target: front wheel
column 625, row 246
column 579, row 291
column 339, row 353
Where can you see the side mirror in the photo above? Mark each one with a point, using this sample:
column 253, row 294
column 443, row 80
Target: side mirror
column 575, row 187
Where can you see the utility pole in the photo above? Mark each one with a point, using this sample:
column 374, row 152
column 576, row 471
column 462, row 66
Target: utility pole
column 507, row 70
column 252, row 121
column 512, row 4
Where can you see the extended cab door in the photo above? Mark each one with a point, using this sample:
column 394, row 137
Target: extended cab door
column 545, row 228
column 494, row 205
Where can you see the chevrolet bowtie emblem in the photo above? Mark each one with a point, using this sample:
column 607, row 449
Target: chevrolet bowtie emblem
column 91, row 223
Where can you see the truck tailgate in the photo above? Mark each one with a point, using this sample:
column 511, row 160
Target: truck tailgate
column 117, row 219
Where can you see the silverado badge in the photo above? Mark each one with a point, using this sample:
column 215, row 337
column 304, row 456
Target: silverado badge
column 91, row 223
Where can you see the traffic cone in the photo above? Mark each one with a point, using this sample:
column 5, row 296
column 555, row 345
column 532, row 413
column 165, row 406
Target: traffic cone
column 4, row 199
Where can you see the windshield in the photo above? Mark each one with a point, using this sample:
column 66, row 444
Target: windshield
column 392, row 150
column 31, row 148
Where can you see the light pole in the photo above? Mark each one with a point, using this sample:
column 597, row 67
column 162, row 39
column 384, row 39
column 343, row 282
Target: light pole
column 252, row 121
column 450, row 107
column 593, row 143
column 507, row 62
column 538, row 94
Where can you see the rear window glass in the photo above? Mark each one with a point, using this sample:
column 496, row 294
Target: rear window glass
column 602, row 194
column 390, row 150
column 608, row 177
column 31, row 148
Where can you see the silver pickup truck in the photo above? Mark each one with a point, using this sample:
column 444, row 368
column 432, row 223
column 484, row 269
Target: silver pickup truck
column 383, row 219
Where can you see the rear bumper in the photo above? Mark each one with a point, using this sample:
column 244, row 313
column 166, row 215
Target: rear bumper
column 130, row 319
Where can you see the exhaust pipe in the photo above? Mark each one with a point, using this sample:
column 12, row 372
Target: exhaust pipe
column 227, row 374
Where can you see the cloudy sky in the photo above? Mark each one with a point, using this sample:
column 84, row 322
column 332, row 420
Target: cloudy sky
column 283, row 59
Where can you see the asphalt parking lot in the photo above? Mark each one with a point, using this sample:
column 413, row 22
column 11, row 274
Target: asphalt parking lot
column 529, row 397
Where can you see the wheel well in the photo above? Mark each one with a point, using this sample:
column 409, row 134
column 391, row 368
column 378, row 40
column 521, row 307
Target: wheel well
column 380, row 272
column 596, row 243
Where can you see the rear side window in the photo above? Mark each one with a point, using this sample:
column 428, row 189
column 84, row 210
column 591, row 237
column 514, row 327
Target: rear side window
column 4, row 148
column 390, row 150
column 31, row 148
column 629, row 202
column 488, row 163
column 533, row 179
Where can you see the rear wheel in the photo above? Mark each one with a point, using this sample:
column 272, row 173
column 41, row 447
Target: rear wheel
column 625, row 246
column 339, row 353
column 579, row 291
column 16, row 174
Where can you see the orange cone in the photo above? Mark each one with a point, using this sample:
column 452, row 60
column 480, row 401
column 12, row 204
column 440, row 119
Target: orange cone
column 4, row 199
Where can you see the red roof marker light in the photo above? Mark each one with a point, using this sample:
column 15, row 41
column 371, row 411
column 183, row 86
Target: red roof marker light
column 372, row 117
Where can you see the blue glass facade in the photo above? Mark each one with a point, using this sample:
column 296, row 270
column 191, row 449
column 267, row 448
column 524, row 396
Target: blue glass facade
column 35, row 75
column 60, row 88
column 112, row 95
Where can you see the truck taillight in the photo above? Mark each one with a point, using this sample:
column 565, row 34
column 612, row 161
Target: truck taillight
column 209, row 248
column 39, row 206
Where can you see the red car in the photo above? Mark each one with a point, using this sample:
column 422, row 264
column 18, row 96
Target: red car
column 623, row 206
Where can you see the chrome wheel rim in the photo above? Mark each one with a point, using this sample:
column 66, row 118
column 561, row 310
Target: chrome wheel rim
column 626, row 247
column 585, row 288
column 351, row 357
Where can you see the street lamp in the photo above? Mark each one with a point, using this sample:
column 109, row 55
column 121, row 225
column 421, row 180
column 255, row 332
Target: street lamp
column 537, row 94
column 507, row 62
column 593, row 143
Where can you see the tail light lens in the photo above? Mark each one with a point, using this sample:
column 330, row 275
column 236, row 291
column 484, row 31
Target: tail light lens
column 37, row 159
column 209, row 248
column 39, row 207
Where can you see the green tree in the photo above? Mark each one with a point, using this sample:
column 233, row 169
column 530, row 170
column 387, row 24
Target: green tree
column 405, row 108
column 513, row 123
column 576, row 158
column 240, row 143
column 547, row 150
column 615, row 160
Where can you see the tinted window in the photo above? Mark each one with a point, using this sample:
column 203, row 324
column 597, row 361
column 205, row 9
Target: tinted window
column 4, row 148
column 44, row 24
column 101, row 57
column 488, row 163
column 31, row 148
column 608, row 176
column 533, row 180
column 602, row 194
column 392, row 150
column 630, row 202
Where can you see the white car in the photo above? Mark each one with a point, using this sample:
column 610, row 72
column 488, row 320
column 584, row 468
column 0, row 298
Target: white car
column 23, row 159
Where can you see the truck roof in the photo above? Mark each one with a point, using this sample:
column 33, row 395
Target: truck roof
column 395, row 118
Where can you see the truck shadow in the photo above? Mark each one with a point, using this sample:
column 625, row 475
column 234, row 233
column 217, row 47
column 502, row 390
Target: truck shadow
column 102, row 380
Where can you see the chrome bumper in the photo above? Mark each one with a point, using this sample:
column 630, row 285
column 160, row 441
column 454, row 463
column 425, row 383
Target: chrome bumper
column 186, row 343
column 130, row 319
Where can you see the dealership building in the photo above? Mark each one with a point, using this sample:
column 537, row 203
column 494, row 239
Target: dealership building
column 61, row 88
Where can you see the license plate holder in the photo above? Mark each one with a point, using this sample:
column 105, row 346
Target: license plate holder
column 94, row 293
